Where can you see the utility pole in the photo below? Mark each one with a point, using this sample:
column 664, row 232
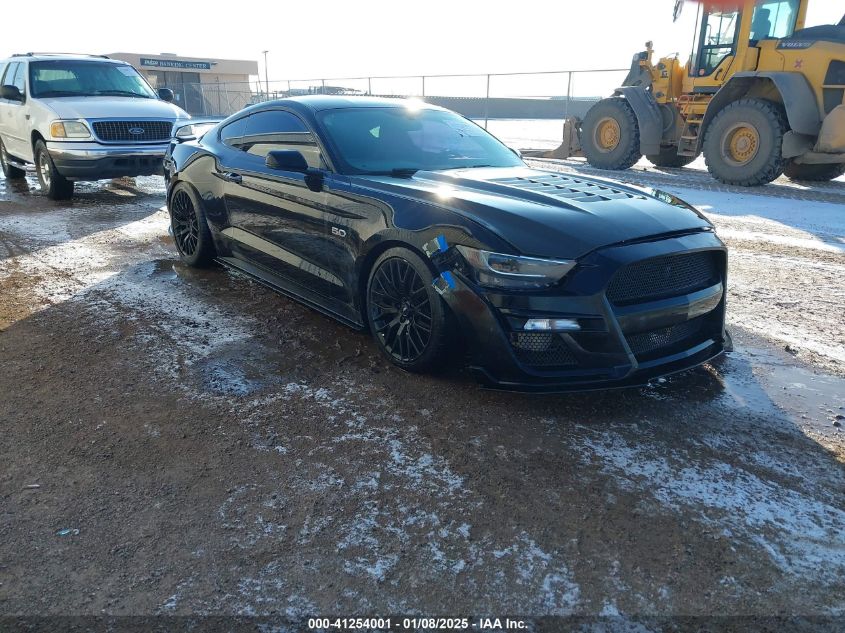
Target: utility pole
column 266, row 74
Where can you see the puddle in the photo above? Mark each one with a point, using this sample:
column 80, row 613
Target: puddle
column 763, row 381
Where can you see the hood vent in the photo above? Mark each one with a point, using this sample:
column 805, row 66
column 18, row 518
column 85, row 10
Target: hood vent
column 569, row 188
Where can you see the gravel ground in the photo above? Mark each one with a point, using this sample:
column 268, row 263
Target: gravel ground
column 179, row 442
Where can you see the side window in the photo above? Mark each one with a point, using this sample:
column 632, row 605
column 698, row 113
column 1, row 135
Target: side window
column 2, row 70
column 279, row 130
column 232, row 134
column 774, row 19
column 19, row 80
column 8, row 78
column 718, row 40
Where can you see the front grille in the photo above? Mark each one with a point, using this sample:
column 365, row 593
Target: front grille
column 133, row 131
column 663, row 277
column 665, row 339
column 541, row 349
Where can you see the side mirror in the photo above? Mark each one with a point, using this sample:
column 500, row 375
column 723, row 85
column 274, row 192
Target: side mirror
column 165, row 94
column 11, row 93
column 286, row 160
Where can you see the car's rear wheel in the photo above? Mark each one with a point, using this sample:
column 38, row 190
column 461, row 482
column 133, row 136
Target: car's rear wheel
column 190, row 228
column 743, row 144
column 409, row 320
column 9, row 171
column 56, row 186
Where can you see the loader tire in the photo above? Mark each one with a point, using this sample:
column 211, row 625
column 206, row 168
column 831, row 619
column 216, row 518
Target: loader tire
column 610, row 135
column 743, row 144
column 668, row 157
column 817, row 173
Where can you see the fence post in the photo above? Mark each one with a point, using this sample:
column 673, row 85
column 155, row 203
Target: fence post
column 568, row 93
column 370, row 86
column 324, row 86
column 423, row 86
column 487, row 103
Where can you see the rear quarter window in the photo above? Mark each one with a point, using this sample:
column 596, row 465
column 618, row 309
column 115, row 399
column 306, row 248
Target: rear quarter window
column 232, row 133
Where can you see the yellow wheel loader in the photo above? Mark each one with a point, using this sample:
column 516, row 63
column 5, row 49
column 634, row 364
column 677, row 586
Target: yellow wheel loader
column 761, row 96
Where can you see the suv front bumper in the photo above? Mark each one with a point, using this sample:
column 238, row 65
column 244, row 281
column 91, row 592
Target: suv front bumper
column 94, row 161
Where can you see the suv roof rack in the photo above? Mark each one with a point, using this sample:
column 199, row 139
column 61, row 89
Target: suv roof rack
column 33, row 54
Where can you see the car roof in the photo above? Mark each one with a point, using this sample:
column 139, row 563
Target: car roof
column 331, row 102
column 40, row 57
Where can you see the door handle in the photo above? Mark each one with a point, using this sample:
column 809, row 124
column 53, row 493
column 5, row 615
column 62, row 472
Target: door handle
column 233, row 177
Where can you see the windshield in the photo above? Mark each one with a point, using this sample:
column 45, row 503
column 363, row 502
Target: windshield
column 381, row 140
column 84, row 78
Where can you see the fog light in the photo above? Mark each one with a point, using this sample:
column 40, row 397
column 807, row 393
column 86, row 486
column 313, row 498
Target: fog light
column 551, row 325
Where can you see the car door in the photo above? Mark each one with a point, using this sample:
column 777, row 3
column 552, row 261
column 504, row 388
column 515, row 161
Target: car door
column 277, row 221
column 3, row 107
column 15, row 120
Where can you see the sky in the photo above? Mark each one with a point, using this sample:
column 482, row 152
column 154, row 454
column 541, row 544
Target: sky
column 342, row 38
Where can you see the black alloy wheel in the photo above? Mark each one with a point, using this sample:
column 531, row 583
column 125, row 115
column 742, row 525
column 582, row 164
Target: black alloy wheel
column 406, row 315
column 190, row 229
column 186, row 228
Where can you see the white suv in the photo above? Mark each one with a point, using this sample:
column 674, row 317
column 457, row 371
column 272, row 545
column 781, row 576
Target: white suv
column 81, row 117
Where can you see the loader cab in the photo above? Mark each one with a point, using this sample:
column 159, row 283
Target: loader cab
column 727, row 32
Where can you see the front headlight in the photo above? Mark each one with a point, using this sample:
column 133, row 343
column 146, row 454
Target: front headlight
column 69, row 129
column 192, row 131
column 497, row 270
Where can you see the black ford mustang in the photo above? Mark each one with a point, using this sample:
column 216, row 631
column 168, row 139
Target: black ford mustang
column 415, row 223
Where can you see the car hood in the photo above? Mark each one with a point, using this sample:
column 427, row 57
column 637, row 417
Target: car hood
column 548, row 214
column 113, row 108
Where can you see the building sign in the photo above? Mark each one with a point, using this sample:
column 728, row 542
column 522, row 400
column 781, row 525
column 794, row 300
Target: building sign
column 174, row 63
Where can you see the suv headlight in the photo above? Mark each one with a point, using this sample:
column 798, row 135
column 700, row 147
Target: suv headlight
column 69, row 129
column 191, row 131
column 497, row 270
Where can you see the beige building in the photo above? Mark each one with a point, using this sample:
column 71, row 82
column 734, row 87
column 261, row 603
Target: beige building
column 201, row 85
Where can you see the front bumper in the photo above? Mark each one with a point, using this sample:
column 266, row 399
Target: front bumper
column 93, row 161
column 617, row 346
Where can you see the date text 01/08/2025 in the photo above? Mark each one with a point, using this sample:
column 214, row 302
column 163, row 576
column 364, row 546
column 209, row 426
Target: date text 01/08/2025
column 414, row 624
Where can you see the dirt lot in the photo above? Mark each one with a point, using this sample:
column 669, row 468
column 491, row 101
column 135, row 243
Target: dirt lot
column 180, row 442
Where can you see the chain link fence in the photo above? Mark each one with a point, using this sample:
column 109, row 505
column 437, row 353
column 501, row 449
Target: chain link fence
column 525, row 108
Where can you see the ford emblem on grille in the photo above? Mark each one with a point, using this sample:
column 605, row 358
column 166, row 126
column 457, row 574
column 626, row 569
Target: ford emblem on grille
column 137, row 131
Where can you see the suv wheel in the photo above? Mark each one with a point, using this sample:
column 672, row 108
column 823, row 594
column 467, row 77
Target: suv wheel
column 56, row 186
column 9, row 171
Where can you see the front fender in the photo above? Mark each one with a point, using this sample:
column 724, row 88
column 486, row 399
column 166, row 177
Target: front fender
column 802, row 111
column 648, row 117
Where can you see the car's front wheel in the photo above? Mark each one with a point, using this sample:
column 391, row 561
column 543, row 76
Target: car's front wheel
column 190, row 228
column 409, row 321
column 56, row 186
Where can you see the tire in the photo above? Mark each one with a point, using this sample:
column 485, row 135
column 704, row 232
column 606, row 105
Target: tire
column 610, row 135
column 56, row 186
column 401, row 305
column 668, row 157
column 9, row 171
column 817, row 173
column 743, row 143
column 190, row 228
